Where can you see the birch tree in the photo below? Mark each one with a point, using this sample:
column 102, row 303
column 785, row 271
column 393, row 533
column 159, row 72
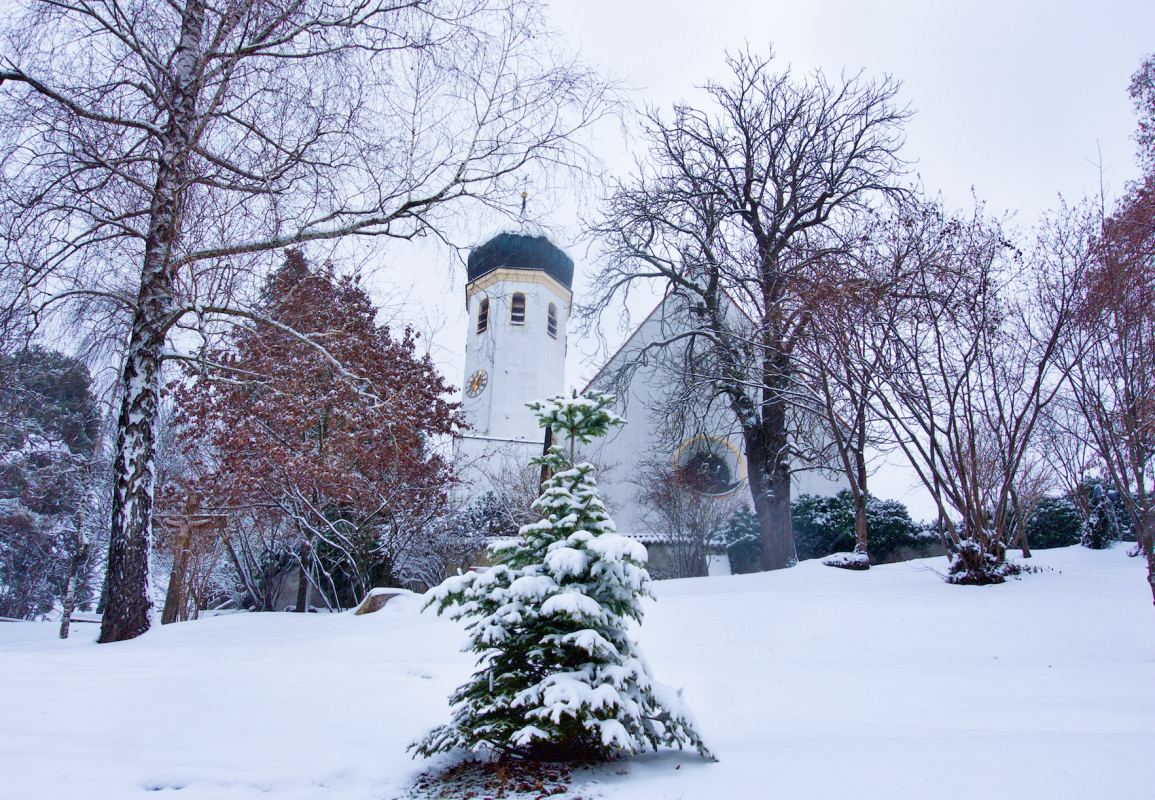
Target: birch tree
column 157, row 150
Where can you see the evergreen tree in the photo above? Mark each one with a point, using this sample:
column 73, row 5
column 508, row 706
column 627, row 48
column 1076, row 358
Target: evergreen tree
column 743, row 541
column 824, row 526
column 1055, row 523
column 560, row 679
column 49, row 424
column 1102, row 525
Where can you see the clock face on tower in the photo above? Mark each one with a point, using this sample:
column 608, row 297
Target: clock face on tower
column 477, row 383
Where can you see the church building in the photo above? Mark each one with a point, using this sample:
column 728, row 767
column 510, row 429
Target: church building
column 518, row 296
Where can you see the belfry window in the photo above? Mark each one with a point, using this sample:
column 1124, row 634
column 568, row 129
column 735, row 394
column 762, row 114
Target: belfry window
column 483, row 315
column 517, row 309
column 551, row 320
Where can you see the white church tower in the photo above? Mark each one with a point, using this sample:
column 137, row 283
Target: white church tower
column 518, row 301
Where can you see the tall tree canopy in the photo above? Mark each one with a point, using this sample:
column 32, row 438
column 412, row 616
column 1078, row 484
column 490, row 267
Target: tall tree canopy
column 154, row 149
column 729, row 214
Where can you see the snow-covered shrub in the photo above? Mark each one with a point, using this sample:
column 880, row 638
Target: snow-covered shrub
column 976, row 563
column 980, row 560
column 743, row 537
column 824, row 526
column 454, row 542
column 560, row 679
column 1102, row 525
column 854, row 561
column 1055, row 523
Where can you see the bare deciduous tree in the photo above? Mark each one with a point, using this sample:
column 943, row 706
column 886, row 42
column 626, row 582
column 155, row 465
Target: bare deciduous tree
column 972, row 368
column 854, row 317
column 722, row 215
column 154, row 150
column 1112, row 360
column 685, row 514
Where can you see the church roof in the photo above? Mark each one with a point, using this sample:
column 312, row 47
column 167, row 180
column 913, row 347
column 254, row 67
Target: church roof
column 659, row 307
column 518, row 251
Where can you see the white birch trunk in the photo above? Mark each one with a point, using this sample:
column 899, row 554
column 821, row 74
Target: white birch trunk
column 129, row 611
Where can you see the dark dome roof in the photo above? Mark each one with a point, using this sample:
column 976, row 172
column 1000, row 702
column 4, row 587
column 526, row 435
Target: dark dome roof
column 517, row 251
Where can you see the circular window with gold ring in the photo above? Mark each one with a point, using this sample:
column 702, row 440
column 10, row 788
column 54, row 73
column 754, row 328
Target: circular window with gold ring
column 709, row 465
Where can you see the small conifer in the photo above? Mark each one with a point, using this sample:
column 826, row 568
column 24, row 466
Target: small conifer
column 559, row 677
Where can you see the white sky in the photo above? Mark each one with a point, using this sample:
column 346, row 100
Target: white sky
column 1016, row 99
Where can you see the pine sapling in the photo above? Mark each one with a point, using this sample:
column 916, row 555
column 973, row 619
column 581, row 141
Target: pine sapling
column 559, row 678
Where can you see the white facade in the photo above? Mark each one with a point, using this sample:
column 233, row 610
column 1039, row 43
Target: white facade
column 514, row 354
column 647, row 442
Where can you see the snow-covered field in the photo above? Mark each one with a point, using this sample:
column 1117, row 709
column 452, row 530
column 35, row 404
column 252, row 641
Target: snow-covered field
column 808, row 683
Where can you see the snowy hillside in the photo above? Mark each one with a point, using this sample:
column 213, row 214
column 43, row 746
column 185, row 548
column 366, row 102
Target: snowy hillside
column 808, row 683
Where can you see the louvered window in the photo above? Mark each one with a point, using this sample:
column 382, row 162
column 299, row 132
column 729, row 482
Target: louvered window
column 483, row 315
column 551, row 320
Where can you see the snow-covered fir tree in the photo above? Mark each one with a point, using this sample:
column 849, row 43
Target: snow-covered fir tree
column 1101, row 527
column 559, row 677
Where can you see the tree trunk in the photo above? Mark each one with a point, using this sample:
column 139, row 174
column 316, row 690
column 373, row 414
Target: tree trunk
column 78, row 556
column 303, row 583
column 769, row 472
column 127, row 614
column 70, row 593
column 174, row 600
column 771, row 495
column 1023, row 542
column 860, row 524
column 860, row 497
column 1147, row 543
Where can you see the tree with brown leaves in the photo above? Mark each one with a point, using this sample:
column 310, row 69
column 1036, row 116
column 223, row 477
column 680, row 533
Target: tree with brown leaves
column 322, row 418
column 1113, row 382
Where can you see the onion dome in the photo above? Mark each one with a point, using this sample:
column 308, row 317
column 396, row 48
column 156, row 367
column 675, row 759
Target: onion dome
column 518, row 251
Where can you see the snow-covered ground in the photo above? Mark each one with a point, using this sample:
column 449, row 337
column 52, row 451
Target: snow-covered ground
column 808, row 683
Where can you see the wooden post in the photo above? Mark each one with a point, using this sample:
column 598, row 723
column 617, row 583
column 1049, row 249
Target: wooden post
column 176, row 598
column 545, row 471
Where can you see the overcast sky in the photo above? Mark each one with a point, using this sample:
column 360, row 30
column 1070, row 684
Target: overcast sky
column 1013, row 98
column 1020, row 100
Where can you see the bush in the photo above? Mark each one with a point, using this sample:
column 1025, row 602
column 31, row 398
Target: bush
column 826, row 525
column 1102, row 527
column 1056, row 523
column 743, row 539
column 823, row 525
column 1108, row 520
column 974, row 564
